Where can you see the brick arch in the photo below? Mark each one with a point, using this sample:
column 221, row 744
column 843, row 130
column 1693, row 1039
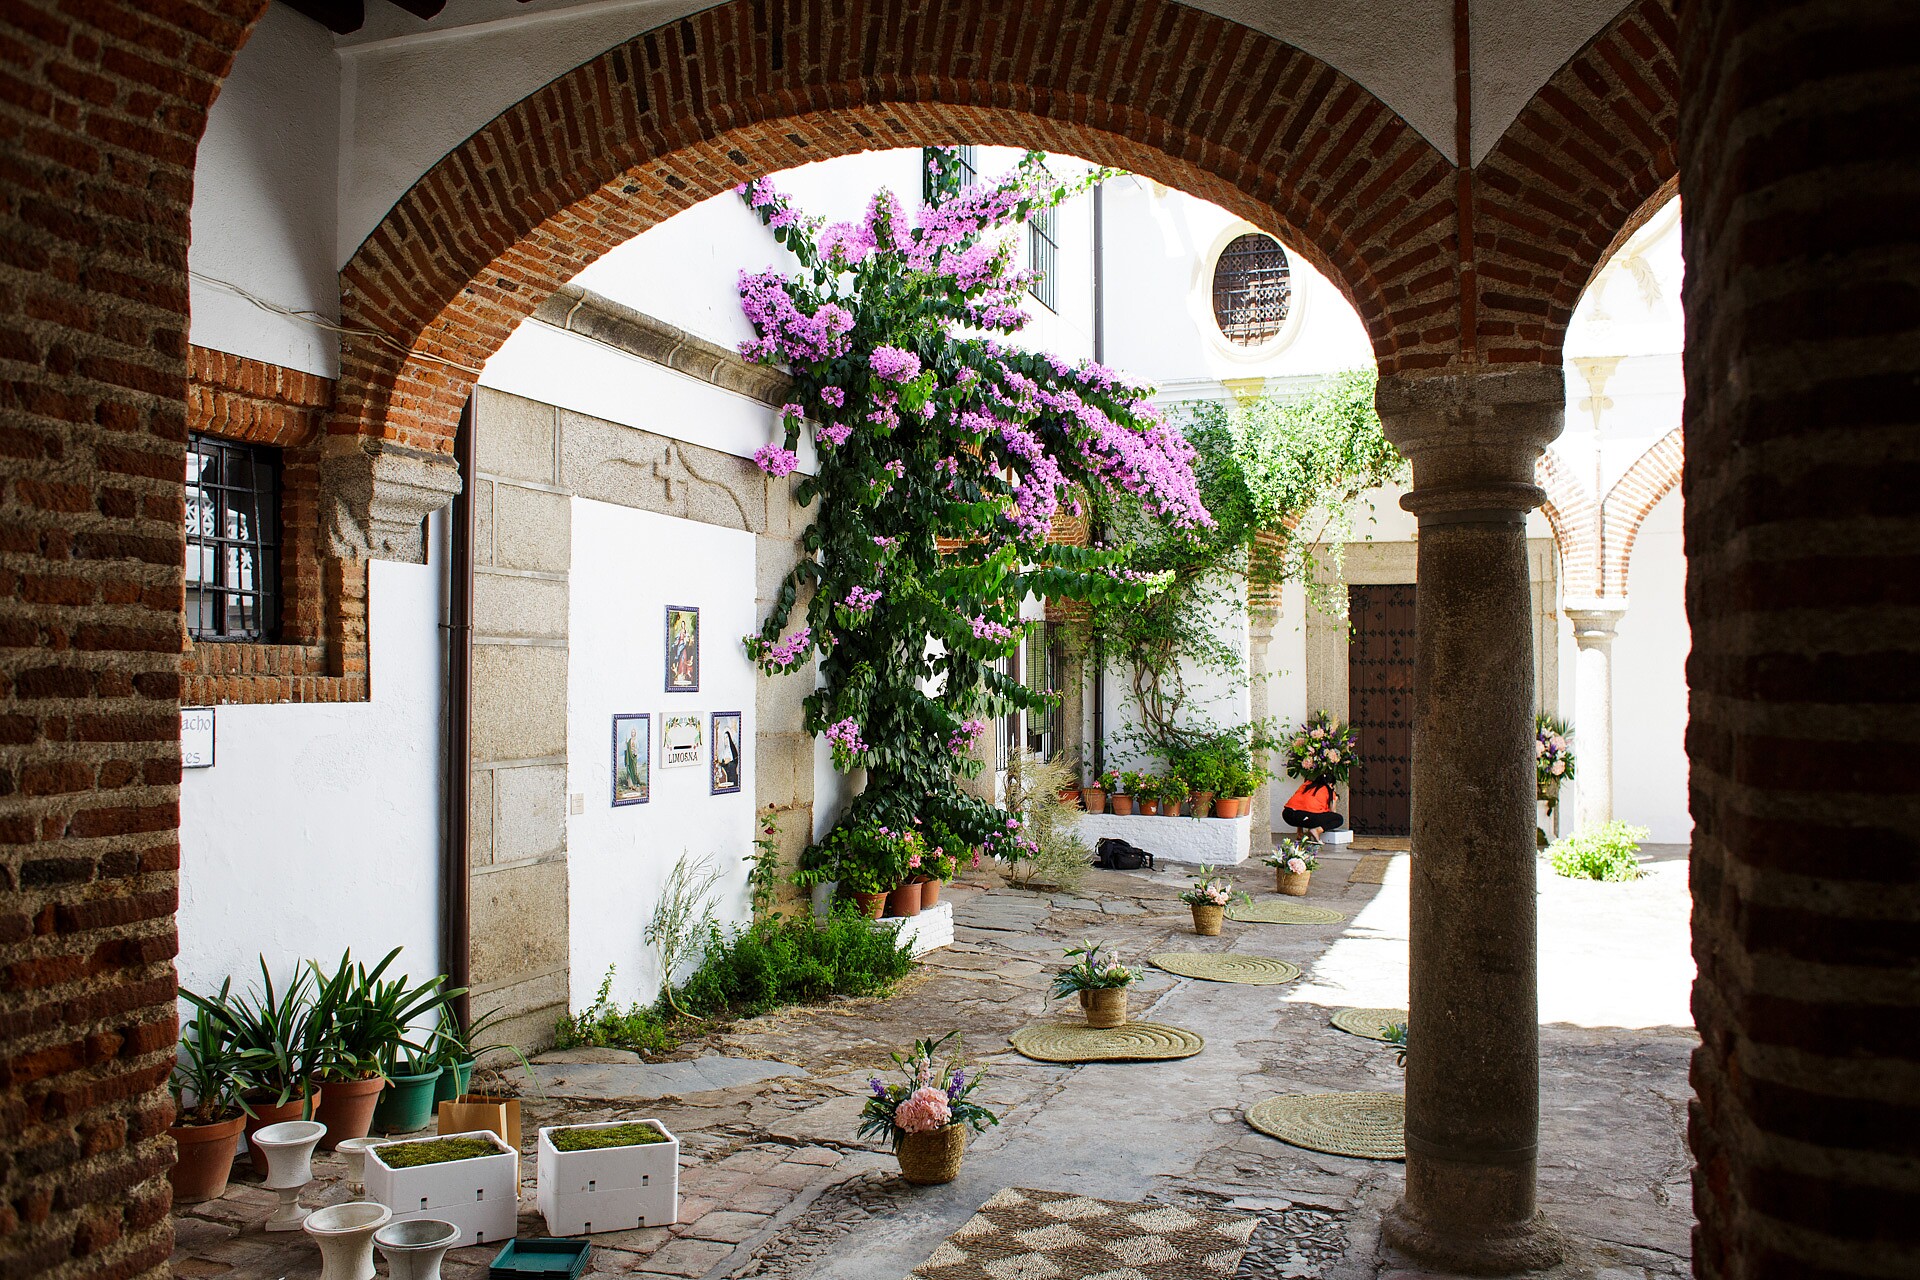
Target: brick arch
column 1570, row 511
column 1632, row 498
column 673, row 116
column 1592, row 155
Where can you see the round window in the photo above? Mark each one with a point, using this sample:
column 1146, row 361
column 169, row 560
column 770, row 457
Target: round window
column 1252, row 289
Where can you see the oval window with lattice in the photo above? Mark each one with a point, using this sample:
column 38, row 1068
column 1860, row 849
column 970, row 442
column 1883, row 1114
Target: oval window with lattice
column 1252, row 289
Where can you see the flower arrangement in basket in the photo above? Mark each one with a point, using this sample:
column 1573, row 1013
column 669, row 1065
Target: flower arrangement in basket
column 1100, row 980
column 1552, row 757
column 1293, row 868
column 1320, row 750
column 1210, row 897
column 926, row 1116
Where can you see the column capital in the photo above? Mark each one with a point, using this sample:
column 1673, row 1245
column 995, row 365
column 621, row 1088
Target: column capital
column 1474, row 439
column 1594, row 619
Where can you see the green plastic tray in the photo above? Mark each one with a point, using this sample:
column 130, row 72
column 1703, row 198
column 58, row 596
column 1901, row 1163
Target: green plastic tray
column 548, row 1258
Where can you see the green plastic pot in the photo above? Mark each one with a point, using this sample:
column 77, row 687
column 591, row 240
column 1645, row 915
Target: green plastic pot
column 406, row 1105
column 453, row 1081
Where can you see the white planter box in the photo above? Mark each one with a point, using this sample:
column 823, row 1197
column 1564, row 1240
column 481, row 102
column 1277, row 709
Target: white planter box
column 480, row 1196
column 931, row 929
column 611, row 1189
column 1217, row 842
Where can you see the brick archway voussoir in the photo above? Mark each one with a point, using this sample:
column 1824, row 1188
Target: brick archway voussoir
column 1653, row 475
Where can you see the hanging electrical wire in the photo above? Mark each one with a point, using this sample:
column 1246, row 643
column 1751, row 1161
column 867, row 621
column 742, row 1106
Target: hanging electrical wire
column 319, row 321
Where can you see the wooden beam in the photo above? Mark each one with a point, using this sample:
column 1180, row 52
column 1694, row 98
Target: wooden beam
column 338, row 16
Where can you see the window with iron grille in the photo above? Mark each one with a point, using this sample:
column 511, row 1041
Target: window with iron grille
column 967, row 159
column 1045, row 662
column 1008, row 739
column 1252, row 289
column 233, row 536
column 1043, row 252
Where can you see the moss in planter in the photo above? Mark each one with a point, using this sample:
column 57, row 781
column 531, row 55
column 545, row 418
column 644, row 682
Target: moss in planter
column 411, row 1155
column 619, row 1135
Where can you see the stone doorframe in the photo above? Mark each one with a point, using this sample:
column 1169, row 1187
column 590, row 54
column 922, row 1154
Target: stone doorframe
column 1382, row 563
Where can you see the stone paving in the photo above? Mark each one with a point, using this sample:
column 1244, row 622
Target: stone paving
column 774, row 1185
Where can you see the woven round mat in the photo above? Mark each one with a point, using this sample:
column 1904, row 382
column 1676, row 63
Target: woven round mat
column 1281, row 911
column 1253, row 971
column 1368, row 1126
column 1078, row 1042
column 1371, row 1023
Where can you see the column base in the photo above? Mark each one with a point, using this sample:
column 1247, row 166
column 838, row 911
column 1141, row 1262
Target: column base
column 1501, row 1251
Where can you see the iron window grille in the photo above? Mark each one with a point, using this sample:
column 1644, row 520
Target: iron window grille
column 968, row 162
column 1252, row 289
column 232, row 537
column 1043, row 252
column 1046, row 661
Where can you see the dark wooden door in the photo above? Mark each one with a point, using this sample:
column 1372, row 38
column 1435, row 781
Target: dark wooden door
column 1380, row 705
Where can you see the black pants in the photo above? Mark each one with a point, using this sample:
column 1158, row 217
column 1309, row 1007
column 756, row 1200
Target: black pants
column 1328, row 821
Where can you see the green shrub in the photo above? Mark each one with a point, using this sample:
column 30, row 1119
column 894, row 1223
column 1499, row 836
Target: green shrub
column 794, row 960
column 1606, row 852
column 604, row 1025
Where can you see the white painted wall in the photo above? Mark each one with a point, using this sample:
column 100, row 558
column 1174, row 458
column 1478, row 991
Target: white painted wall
column 1650, row 682
column 627, row 567
column 319, row 826
column 264, row 199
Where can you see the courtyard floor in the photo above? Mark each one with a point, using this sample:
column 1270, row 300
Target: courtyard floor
column 774, row 1184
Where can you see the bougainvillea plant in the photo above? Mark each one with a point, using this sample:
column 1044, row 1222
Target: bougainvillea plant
column 944, row 455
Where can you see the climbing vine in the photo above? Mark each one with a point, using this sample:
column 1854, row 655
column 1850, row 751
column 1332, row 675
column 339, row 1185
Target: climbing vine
column 1279, row 476
column 943, row 456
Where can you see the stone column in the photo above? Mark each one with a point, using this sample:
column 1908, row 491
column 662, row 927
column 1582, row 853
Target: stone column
column 1473, row 1075
column 1593, row 629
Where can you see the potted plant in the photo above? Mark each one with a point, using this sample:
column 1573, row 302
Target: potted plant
column 1173, row 794
column 1292, row 870
column 619, row 1175
column 277, row 1035
column 926, row 1118
column 941, row 867
column 1203, row 778
column 1094, row 794
column 208, row 1113
column 413, row 1076
column 469, row 1179
column 1395, row 1034
column 1553, row 767
column 1120, row 790
column 368, row 1019
column 1101, row 982
column 1209, row 897
column 1146, row 794
column 456, row 1049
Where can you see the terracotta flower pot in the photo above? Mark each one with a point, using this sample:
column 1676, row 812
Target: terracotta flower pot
column 1105, row 1006
column 346, row 1108
column 1095, row 798
column 1071, row 795
column 1293, row 884
column 1122, row 803
column 1207, row 919
column 929, row 1159
column 904, row 900
column 1173, row 808
column 930, row 892
column 264, row 1115
column 205, row 1158
column 1226, row 807
column 872, row 905
column 1202, row 803
column 1151, row 808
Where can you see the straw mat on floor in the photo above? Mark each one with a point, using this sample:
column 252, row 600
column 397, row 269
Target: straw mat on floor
column 1226, row 966
column 1078, row 1042
column 1371, row 869
column 1057, row 1235
column 1368, row 1126
column 1371, row 1023
column 1281, row 911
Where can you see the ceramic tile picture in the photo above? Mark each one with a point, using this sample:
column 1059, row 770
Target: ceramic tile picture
column 632, row 759
column 726, row 752
column 683, row 649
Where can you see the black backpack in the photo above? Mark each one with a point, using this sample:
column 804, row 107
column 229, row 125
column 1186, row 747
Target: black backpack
column 1116, row 854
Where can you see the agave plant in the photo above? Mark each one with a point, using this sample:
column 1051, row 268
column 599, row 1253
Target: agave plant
column 369, row 1019
column 210, row 1075
column 275, row 1036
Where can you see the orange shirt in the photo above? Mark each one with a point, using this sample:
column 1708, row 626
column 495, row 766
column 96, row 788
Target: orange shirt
column 1312, row 797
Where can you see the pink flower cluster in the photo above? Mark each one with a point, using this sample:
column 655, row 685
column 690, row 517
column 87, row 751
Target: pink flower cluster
column 894, row 364
column 832, row 433
column 861, row 599
column 924, row 1110
column 987, row 629
column 962, row 740
column 845, row 736
column 785, row 331
column 784, row 652
column 774, row 460
column 835, row 396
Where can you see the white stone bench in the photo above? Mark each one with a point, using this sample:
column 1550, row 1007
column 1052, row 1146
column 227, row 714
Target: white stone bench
column 1217, row 842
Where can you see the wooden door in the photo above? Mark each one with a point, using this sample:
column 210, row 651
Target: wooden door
column 1380, row 705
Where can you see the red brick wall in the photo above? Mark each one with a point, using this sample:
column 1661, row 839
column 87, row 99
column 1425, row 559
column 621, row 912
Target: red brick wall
column 1802, row 190
column 1632, row 498
column 101, row 105
column 321, row 656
